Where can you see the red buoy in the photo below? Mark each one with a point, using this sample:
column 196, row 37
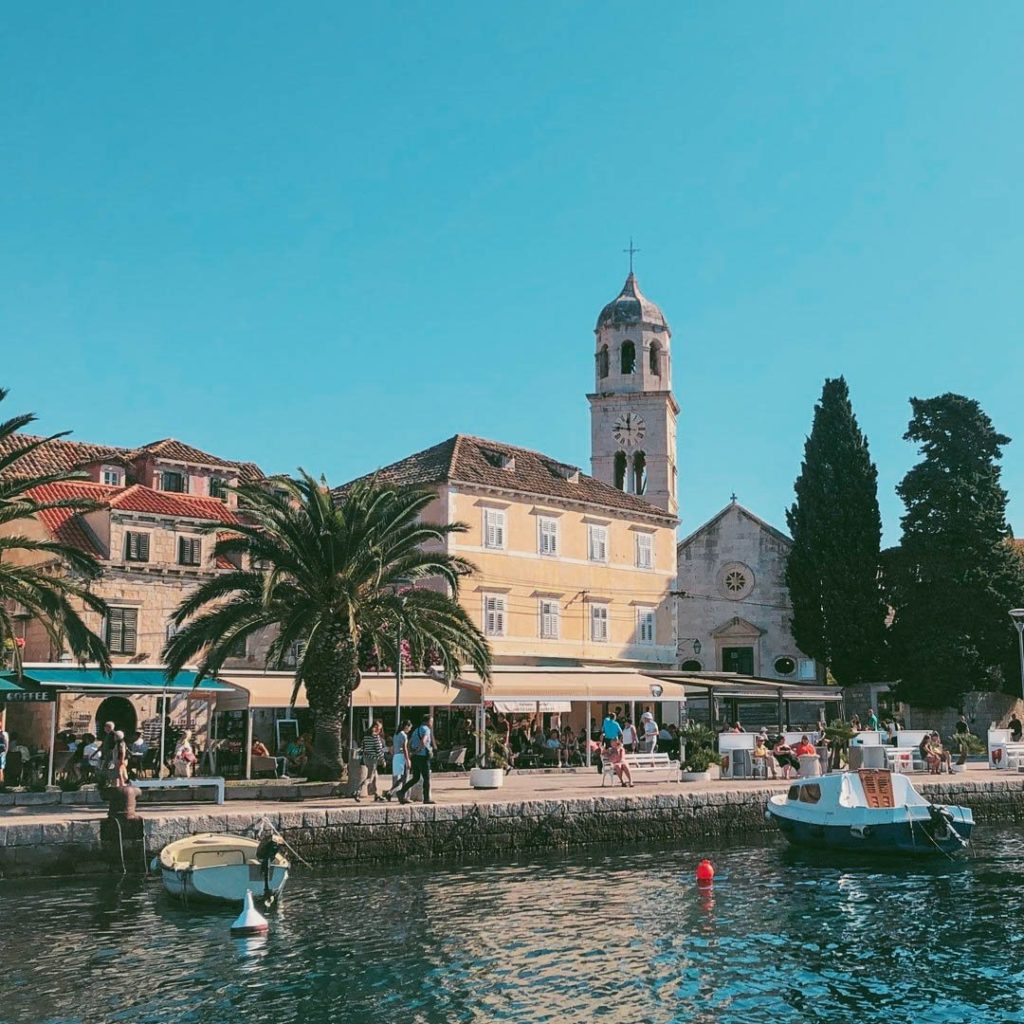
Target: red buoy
column 705, row 872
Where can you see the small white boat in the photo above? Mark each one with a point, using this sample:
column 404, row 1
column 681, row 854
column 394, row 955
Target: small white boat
column 871, row 811
column 224, row 867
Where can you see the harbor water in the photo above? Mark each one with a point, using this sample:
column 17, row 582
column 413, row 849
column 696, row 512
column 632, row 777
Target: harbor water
column 619, row 936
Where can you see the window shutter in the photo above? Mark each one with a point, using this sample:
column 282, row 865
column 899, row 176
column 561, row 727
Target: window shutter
column 644, row 551
column 598, row 544
column 548, row 536
column 494, row 624
column 143, row 547
column 114, row 630
column 494, row 528
column 598, row 622
column 645, row 625
column 131, row 629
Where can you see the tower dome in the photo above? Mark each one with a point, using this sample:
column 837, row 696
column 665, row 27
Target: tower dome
column 631, row 306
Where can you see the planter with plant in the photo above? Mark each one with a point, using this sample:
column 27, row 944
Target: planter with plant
column 965, row 744
column 838, row 733
column 490, row 772
column 697, row 753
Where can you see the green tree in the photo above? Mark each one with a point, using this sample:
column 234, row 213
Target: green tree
column 955, row 575
column 328, row 574
column 49, row 579
column 833, row 568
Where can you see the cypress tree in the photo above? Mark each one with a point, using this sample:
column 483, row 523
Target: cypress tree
column 955, row 574
column 833, row 568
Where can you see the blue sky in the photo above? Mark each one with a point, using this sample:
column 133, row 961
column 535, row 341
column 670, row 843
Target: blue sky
column 332, row 234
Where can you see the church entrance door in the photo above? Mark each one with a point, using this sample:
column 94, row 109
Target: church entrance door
column 738, row 659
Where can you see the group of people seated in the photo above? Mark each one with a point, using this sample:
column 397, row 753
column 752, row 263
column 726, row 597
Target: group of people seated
column 292, row 758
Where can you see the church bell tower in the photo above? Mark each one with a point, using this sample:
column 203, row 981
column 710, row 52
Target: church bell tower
column 632, row 409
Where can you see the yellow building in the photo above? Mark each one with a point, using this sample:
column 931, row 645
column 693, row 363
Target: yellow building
column 571, row 571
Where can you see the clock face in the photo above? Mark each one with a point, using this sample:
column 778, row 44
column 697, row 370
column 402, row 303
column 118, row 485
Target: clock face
column 629, row 429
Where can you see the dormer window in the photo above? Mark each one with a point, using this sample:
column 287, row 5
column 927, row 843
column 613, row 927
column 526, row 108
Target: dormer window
column 218, row 488
column 173, row 481
column 113, row 476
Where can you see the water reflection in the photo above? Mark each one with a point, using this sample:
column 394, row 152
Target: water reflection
column 617, row 936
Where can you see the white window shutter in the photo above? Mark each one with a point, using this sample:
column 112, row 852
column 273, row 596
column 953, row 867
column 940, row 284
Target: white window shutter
column 644, row 552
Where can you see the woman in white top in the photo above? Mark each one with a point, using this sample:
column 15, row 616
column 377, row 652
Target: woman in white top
column 629, row 736
column 184, row 756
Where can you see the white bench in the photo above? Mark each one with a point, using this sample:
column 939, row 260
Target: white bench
column 191, row 783
column 643, row 763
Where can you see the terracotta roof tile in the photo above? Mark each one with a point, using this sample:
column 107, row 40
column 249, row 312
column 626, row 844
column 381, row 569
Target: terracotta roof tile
column 475, row 460
column 64, row 455
column 65, row 524
column 165, row 503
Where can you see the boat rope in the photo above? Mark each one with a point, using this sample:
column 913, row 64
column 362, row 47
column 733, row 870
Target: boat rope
column 284, row 842
column 120, row 845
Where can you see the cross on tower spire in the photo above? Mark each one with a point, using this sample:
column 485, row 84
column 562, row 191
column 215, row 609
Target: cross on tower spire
column 631, row 250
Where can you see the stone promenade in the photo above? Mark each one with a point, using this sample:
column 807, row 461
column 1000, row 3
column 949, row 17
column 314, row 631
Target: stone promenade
column 531, row 812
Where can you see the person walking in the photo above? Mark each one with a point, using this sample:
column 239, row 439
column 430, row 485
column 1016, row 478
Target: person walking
column 108, row 745
column 399, row 759
column 421, row 750
column 373, row 754
column 649, row 727
column 610, row 729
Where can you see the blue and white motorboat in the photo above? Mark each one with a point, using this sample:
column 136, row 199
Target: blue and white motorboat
column 871, row 811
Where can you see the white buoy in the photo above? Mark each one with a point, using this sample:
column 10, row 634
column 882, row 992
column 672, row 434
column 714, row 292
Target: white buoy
column 250, row 921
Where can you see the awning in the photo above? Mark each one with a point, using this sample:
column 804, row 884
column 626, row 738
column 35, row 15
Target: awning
column 128, row 679
column 560, row 686
column 531, row 707
column 730, row 685
column 376, row 690
column 29, row 693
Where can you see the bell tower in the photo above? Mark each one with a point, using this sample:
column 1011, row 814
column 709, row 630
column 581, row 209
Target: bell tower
column 632, row 409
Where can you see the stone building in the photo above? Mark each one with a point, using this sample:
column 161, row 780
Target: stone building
column 571, row 571
column 160, row 509
column 734, row 610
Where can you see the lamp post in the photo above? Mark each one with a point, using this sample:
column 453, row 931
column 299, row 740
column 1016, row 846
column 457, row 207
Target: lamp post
column 1017, row 616
column 398, row 655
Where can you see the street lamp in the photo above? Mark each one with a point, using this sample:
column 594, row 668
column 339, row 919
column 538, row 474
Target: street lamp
column 1017, row 615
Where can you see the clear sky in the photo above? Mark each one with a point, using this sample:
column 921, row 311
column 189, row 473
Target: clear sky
column 332, row 234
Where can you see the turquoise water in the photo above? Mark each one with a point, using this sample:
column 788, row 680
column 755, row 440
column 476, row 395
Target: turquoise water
column 610, row 936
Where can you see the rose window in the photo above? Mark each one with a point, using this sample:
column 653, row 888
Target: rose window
column 735, row 581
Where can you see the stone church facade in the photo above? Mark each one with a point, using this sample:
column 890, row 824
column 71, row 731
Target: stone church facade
column 733, row 609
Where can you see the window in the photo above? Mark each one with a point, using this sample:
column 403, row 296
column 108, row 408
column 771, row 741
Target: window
column 639, row 483
column 627, row 357
column 785, row 666
column 218, row 488
column 620, row 470
column 549, row 612
column 736, row 581
column 548, row 540
column 122, row 630
column 173, row 481
column 655, row 357
column 136, row 547
column 494, row 614
column 599, row 623
column 808, row 669
column 295, row 652
column 602, row 362
column 644, row 551
column 645, row 626
column 237, row 648
column 691, row 666
column 494, row 528
column 597, row 543
column 190, row 551
column 172, row 630
column 112, row 476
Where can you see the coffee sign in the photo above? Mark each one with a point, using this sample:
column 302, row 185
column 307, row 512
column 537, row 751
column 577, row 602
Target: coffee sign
column 27, row 696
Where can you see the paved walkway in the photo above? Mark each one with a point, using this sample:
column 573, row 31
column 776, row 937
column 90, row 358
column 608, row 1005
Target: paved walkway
column 455, row 789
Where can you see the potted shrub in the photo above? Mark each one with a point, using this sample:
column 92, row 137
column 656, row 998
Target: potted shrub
column 964, row 743
column 490, row 772
column 697, row 753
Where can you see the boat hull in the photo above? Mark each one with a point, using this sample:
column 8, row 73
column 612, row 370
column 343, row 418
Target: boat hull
column 916, row 838
column 222, row 884
column 210, row 866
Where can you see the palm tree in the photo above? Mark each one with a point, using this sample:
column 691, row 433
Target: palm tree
column 327, row 574
column 27, row 574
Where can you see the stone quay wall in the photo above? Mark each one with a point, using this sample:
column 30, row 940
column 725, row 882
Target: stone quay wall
column 394, row 833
